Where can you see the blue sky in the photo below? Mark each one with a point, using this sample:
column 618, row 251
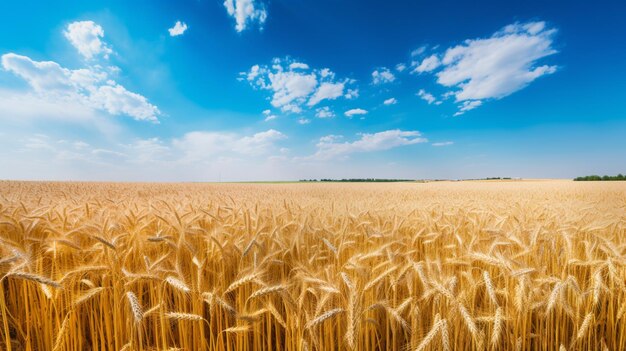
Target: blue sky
column 290, row 89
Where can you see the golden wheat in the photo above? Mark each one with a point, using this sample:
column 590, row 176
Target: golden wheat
column 523, row 265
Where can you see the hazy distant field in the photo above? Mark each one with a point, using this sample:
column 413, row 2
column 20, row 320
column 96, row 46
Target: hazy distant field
column 504, row 265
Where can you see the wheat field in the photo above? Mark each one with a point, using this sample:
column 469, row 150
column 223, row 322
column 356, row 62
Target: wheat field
column 519, row 265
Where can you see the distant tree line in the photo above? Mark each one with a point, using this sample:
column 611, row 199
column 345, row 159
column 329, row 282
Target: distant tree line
column 357, row 180
column 597, row 178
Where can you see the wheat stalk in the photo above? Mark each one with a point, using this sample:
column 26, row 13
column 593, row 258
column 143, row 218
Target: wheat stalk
column 177, row 284
column 134, row 306
column 184, row 316
column 328, row 314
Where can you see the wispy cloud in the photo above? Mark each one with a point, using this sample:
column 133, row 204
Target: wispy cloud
column 493, row 67
column 204, row 145
column 467, row 106
column 332, row 146
column 428, row 97
column 269, row 116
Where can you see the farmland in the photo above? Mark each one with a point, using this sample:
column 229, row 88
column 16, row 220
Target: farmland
column 477, row 265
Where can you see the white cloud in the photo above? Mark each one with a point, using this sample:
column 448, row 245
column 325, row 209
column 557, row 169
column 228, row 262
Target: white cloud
column 292, row 108
column 86, row 37
column 116, row 100
column 390, row 101
column 354, row 112
column 90, row 87
column 258, row 143
column 42, row 76
column 330, row 146
column 294, row 85
column 324, row 112
column 192, row 148
column 326, row 91
column 428, row 64
column 19, row 108
column 245, row 11
column 178, row 29
column 443, row 143
column 352, row 94
column 419, row 50
column 325, row 72
column 428, row 97
column 204, row 156
column 300, row 65
column 290, row 86
column 494, row 67
column 269, row 116
column 467, row 106
column 304, row 121
column 204, row 146
column 400, row 67
column 254, row 72
column 382, row 75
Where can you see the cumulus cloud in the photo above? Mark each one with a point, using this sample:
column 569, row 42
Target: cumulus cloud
column 294, row 85
column 390, row 101
column 493, row 67
column 245, row 12
column 90, row 87
column 304, row 121
column 331, row 146
column 178, row 29
column 400, row 67
column 354, row 112
column 291, row 86
column 86, row 37
column 382, row 75
column 324, row 112
column 428, row 97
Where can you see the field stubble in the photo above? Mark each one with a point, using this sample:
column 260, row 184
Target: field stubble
column 435, row 266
